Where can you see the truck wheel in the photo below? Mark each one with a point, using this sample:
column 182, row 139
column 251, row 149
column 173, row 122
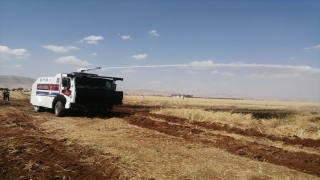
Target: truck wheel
column 59, row 109
column 38, row 108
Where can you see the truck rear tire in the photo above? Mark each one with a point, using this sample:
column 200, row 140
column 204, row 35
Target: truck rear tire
column 38, row 108
column 59, row 109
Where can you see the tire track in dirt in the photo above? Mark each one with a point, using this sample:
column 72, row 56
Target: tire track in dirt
column 300, row 161
column 27, row 153
column 247, row 132
column 130, row 110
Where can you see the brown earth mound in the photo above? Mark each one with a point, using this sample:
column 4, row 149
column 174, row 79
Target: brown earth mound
column 28, row 153
column 301, row 161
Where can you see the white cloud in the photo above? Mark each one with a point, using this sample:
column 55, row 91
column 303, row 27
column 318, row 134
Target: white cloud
column 125, row 37
column 273, row 75
column 71, row 60
column 140, row 56
column 201, row 63
column 92, row 39
column 313, row 47
column 14, row 66
column 60, row 48
column 154, row 82
column 7, row 53
column 94, row 54
column 215, row 72
column 291, row 58
column 153, row 32
column 228, row 74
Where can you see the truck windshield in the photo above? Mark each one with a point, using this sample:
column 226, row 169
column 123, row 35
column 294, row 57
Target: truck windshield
column 94, row 83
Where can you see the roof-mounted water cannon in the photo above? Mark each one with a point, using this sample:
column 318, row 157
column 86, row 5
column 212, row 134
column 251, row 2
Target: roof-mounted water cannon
column 87, row 69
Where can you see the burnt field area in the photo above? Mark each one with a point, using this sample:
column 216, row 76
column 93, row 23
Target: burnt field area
column 142, row 140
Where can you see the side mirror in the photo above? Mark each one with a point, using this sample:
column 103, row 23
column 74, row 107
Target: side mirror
column 66, row 83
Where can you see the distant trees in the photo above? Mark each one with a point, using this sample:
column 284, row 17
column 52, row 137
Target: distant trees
column 1, row 89
column 19, row 89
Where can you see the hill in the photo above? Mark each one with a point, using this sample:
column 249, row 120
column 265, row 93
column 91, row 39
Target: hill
column 7, row 81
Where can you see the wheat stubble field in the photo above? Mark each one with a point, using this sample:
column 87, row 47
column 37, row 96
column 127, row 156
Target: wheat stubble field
column 162, row 138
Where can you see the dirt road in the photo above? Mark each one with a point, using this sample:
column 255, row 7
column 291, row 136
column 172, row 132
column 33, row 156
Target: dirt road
column 132, row 143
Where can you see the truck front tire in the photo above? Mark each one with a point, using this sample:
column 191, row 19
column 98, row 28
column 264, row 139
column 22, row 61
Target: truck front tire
column 38, row 108
column 59, row 109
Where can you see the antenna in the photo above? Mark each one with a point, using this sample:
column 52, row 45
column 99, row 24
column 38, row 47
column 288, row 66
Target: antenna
column 87, row 69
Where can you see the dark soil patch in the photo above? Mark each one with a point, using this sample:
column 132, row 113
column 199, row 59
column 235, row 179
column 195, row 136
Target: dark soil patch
column 28, row 153
column 301, row 161
column 258, row 113
column 246, row 132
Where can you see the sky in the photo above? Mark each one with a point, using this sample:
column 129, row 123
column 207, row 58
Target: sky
column 242, row 49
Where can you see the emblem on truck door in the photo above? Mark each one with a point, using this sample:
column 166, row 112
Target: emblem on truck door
column 66, row 92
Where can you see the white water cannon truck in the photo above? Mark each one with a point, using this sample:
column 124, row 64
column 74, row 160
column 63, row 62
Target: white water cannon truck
column 75, row 91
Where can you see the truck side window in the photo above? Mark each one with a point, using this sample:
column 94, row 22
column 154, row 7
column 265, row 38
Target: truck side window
column 108, row 85
column 66, row 82
column 114, row 86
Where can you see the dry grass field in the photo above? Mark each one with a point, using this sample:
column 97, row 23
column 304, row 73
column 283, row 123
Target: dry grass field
column 162, row 138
